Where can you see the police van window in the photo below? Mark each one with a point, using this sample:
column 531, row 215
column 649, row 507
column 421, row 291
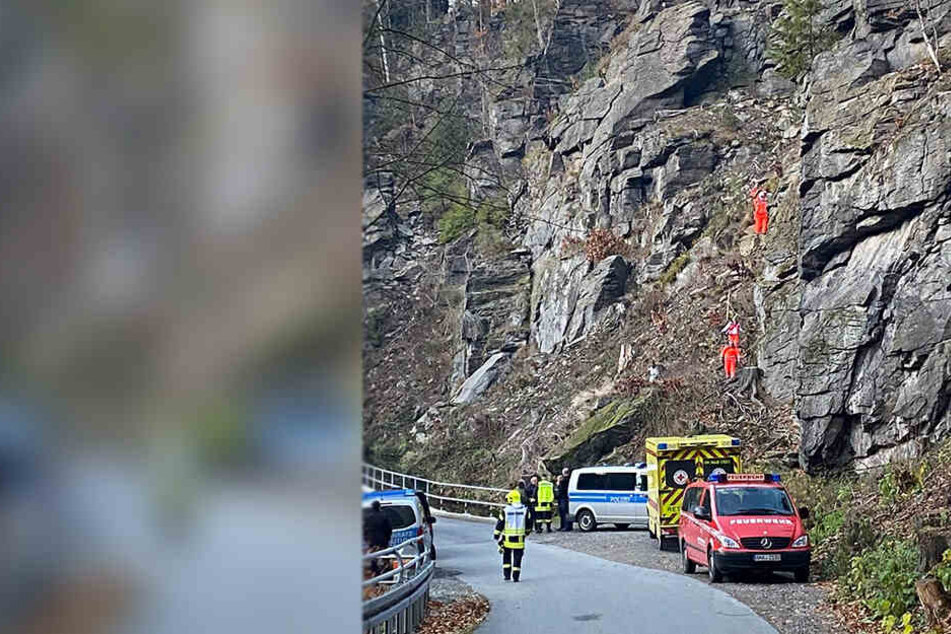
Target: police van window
column 588, row 481
column 642, row 483
column 621, row 482
column 400, row 516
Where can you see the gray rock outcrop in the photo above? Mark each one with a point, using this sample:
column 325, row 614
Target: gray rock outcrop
column 609, row 164
column 481, row 379
column 859, row 336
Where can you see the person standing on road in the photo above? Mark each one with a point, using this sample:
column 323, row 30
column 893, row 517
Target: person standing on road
column 545, row 497
column 523, row 495
column 531, row 497
column 510, row 531
column 561, row 496
column 377, row 532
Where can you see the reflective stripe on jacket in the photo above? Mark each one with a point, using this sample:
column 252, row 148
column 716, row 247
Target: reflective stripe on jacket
column 511, row 526
column 546, row 495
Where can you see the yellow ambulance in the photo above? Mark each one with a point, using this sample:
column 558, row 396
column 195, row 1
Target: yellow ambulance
column 673, row 462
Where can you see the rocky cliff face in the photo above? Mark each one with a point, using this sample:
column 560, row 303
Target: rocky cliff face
column 631, row 242
column 858, row 335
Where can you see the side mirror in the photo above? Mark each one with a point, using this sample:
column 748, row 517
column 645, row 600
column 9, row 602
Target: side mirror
column 431, row 520
column 803, row 513
column 701, row 513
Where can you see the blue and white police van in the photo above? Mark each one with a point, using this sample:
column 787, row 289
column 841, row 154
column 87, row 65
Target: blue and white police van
column 608, row 495
column 409, row 515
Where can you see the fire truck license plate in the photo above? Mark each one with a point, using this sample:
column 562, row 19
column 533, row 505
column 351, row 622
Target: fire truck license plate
column 770, row 557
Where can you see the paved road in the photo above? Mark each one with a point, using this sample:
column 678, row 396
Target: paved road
column 566, row 591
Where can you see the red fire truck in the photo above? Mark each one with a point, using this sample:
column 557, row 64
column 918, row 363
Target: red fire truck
column 742, row 521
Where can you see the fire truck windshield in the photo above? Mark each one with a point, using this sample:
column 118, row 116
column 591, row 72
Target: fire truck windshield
column 752, row 501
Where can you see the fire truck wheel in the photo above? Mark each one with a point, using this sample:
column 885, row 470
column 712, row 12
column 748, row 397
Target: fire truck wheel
column 802, row 574
column 715, row 575
column 586, row 521
column 690, row 566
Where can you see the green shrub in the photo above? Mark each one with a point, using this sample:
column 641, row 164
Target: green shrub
column 797, row 36
column 825, row 525
column 674, row 269
column 901, row 478
column 942, row 571
column 520, row 36
column 456, row 220
column 854, row 538
column 490, row 216
column 493, row 212
column 883, row 578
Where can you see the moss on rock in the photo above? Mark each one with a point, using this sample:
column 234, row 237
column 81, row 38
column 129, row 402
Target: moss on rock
column 609, row 427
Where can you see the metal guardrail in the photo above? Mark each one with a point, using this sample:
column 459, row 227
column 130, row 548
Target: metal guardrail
column 483, row 498
column 402, row 607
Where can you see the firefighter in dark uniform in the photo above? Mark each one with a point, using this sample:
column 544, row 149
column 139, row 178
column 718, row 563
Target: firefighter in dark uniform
column 510, row 531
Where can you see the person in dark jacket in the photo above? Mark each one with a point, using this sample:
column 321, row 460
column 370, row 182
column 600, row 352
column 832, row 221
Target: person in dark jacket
column 531, row 492
column 377, row 531
column 523, row 496
column 561, row 497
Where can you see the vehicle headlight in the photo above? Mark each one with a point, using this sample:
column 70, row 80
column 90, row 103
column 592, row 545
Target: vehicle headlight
column 728, row 542
column 801, row 541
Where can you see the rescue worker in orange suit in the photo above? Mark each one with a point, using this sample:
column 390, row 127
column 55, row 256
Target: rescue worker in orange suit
column 760, row 212
column 732, row 331
column 730, row 355
column 544, row 498
column 510, row 531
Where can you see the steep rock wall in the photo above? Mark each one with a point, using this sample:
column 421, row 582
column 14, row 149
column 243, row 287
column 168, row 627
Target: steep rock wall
column 859, row 336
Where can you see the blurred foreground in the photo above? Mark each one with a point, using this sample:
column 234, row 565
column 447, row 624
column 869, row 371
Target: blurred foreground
column 179, row 271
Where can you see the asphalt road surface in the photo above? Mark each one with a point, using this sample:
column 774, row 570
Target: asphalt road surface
column 566, row 591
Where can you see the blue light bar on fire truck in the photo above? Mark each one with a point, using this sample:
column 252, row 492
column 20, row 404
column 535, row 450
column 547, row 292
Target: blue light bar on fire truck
column 743, row 477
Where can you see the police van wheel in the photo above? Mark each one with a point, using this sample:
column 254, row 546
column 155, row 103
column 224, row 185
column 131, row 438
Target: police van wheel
column 690, row 566
column 586, row 521
column 714, row 573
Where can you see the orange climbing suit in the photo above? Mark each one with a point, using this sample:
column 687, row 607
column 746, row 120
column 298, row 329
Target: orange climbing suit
column 760, row 212
column 730, row 355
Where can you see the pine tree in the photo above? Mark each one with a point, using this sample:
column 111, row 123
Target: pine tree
column 797, row 36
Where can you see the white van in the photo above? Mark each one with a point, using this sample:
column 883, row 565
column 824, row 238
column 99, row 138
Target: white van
column 608, row 495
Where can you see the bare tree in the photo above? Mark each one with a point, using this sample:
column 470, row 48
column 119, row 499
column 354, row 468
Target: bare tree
column 379, row 16
column 931, row 42
column 538, row 25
